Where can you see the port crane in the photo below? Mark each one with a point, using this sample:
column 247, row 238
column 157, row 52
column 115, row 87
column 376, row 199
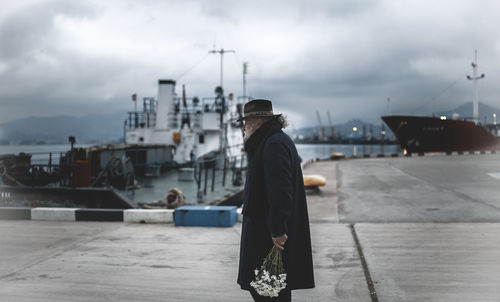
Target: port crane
column 323, row 134
column 330, row 122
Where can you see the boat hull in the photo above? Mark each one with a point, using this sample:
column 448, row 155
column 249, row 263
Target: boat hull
column 427, row 134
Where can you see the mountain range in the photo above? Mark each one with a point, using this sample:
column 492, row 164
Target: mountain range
column 100, row 129
column 89, row 129
column 363, row 128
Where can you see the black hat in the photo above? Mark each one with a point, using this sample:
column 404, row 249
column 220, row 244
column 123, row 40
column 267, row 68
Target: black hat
column 258, row 108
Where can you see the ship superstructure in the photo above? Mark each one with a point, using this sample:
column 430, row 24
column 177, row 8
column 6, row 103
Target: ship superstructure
column 195, row 127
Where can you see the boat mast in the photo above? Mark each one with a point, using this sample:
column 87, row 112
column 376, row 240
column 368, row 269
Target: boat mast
column 245, row 71
column 223, row 127
column 474, row 78
column 221, row 52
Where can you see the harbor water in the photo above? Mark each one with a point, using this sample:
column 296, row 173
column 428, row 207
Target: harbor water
column 323, row 151
column 155, row 188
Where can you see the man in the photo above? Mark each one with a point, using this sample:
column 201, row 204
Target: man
column 274, row 202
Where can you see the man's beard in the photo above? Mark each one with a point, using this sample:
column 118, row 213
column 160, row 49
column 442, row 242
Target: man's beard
column 249, row 132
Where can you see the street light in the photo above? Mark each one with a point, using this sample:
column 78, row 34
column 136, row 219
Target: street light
column 494, row 118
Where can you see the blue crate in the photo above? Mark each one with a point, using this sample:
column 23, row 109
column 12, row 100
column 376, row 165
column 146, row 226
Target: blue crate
column 219, row 216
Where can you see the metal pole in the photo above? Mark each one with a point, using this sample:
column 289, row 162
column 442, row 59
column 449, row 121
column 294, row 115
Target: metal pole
column 224, row 173
column 199, row 177
column 213, row 176
column 125, row 132
column 61, row 181
column 474, row 78
column 206, row 177
column 221, row 52
column 245, row 64
column 476, row 105
column 221, row 68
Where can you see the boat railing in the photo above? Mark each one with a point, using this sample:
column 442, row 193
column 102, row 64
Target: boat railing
column 192, row 106
column 217, row 170
column 138, row 119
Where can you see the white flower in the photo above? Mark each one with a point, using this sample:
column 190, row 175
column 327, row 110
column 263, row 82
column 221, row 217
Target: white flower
column 266, row 283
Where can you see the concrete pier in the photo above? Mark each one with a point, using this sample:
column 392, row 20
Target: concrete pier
column 383, row 229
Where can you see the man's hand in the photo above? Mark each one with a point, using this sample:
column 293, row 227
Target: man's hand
column 279, row 242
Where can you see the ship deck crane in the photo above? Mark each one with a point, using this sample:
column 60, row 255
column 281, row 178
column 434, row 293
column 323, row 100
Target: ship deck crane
column 474, row 78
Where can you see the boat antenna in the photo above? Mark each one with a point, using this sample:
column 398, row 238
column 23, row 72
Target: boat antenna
column 221, row 51
column 474, row 78
column 245, row 71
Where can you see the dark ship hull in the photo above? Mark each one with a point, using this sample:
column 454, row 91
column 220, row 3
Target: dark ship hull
column 428, row 134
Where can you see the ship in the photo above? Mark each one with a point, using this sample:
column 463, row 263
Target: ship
column 421, row 134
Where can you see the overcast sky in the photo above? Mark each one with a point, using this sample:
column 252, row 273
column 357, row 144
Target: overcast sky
column 83, row 57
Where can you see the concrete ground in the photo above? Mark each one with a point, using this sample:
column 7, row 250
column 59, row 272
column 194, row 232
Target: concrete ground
column 459, row 188
column 52, row 261
column 424, row 229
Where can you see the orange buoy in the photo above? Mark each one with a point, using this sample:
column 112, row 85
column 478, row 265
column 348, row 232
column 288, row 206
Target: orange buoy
column 314, row 180
column 337, row 156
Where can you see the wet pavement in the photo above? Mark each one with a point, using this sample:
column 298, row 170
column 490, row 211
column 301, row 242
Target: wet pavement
column 427, row 227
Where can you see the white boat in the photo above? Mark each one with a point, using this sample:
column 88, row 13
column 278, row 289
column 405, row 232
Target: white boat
column 194, row 127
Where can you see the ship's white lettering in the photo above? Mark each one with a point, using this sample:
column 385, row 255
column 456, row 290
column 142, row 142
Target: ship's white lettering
column 5, row 195
column 433, row 129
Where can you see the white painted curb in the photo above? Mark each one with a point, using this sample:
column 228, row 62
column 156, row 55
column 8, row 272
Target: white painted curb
column 53, row 214
column 148, row 216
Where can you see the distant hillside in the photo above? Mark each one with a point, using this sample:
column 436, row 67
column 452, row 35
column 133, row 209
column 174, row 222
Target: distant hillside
column 465, row 111
column 97, row 129
column 89, row 129
column 343, row 130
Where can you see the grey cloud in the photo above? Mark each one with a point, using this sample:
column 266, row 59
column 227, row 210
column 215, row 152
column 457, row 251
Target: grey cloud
column 32, row 29
column 360, row 55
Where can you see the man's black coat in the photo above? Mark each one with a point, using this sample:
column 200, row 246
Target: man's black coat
column 274, row 203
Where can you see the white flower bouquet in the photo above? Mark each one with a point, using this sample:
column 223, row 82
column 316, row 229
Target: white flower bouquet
column 270, row 279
